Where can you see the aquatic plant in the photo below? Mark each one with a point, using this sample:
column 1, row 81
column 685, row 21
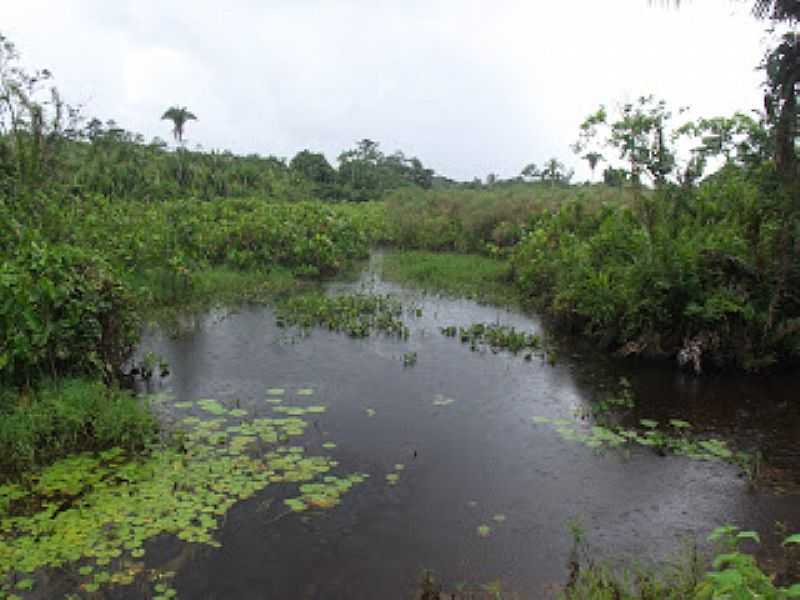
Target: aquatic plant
column 93, row 513
column 358, row 315
column 495, row 336
column 673, row 439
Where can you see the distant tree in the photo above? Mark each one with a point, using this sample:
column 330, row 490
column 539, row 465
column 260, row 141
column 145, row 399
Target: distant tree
column 530, row 172
column 555, row 172
column 593, row 158
column 314, row 167
column 491, row 179
column 614, row 177
column 179, row 115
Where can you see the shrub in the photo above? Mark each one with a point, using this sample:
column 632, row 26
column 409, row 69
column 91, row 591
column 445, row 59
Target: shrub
column 63, row 310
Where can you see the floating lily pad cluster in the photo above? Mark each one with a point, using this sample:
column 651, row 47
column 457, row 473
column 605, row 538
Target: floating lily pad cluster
column 673, row 439
column 358, row 315
column 91, row 514
column 495, row 336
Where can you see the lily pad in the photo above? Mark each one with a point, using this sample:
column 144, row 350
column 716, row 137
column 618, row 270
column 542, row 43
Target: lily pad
column 370, row 412
column 305, row 392
column 275, row 391
column 499, row 518
column 484, row 530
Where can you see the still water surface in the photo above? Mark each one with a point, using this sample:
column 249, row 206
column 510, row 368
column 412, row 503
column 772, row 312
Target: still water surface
column 466, row 462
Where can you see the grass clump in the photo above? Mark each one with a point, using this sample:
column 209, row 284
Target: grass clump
column 72, row 415
column 465, row 275
column 358, row 315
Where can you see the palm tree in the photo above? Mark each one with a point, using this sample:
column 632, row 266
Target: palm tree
column 593, row 158
column 179, row 115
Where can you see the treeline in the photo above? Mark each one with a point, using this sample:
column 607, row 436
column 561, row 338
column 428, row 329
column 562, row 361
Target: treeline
column 46, row 146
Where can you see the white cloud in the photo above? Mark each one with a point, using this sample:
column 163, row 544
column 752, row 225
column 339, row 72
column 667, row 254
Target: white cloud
column 468, row 86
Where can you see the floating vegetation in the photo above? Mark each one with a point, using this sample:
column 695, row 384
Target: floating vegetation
column 358, row 315
column 409, row 359
column 484, row 531
column 623, row 399
column 329, row 445
column 275, row 392
column 305, row 392
column 212, row 406
column 440, row 400
column 184, row 405
column 392, row 478
column 495, row 336
column 399, row 467
column 370, row 412
column 499, row 518
column 91, row 514
column 672, row 439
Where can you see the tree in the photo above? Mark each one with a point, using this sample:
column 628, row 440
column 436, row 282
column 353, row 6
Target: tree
column 593, row 158
column 640, row 132
column 555, row 172
column 179, row 115
column 782, row 66
column 530, row 172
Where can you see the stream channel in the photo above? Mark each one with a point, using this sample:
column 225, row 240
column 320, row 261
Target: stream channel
column 479, row 491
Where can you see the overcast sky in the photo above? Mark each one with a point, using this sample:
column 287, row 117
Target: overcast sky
column 469, row 87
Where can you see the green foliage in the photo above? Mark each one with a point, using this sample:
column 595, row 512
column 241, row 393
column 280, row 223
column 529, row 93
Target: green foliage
column 496, row 337
column 62, row 310
column 687, row 273
column 358, row 315
column 465, row 275
column 90, row 514
column 69, row 416
column 730, row 574
column 488, row 221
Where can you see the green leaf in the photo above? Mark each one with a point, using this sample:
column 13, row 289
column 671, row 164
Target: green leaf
column 792, row 539
column 748, row 535
column 792, row 591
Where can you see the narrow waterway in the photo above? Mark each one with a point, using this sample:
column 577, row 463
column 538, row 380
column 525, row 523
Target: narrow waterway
column 482, row 492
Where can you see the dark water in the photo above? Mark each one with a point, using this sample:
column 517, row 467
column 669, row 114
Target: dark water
column 465, row 462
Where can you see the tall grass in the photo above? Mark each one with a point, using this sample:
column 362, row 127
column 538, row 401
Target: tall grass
column 58, row 418
column 489, row 220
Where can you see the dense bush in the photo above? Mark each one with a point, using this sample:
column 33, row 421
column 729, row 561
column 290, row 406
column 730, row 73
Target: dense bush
column 62, row 310
column 73, row 415
column 702, row 275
